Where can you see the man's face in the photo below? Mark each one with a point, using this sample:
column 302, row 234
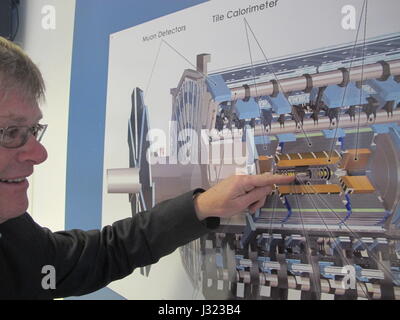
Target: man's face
column 18, row 163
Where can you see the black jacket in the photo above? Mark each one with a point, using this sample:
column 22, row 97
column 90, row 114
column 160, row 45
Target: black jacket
column 85, row 261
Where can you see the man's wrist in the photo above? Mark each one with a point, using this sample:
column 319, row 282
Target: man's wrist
column 201, row 215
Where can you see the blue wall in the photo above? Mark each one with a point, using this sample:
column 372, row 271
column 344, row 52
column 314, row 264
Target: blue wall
column 95, row 20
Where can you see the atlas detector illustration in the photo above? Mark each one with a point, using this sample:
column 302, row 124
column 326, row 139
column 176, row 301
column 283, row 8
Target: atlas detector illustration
column 331, row 117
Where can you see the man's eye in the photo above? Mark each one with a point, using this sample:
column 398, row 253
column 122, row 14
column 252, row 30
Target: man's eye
column 12, row 133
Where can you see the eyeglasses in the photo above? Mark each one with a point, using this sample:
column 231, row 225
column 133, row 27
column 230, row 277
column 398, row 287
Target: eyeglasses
column 16, row 136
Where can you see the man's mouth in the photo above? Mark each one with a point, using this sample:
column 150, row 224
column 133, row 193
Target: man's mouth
column 15, row 181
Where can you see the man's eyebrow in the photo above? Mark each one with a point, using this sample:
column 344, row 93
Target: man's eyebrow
column 20, row 119
column 14, row 118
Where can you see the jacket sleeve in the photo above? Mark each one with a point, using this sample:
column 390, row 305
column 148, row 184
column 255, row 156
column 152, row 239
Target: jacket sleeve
column 86, row 261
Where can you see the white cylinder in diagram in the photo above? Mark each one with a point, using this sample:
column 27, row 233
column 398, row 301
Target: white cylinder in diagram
column 123, row 180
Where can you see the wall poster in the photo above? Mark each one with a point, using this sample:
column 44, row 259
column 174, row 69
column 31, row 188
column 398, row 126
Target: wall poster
column 307, row 88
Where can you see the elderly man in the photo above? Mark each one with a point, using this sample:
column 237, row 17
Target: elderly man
column 87, row 261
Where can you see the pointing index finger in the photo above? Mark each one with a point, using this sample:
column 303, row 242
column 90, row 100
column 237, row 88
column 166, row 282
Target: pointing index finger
column 262, row 180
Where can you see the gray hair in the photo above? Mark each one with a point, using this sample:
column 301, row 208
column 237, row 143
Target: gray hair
column 18, row 72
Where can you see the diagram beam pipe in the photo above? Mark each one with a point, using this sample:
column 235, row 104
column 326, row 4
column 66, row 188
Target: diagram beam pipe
column 322, row 79
column 123, row 180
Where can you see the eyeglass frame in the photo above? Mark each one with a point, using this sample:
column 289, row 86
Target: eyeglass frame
column 30, row 130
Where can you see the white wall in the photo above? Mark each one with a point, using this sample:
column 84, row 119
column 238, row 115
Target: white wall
column 51, row 50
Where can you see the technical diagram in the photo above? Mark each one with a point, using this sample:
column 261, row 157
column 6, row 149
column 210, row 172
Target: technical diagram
column 331, row 118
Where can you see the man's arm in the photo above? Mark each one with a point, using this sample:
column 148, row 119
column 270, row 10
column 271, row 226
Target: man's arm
column 88, row 261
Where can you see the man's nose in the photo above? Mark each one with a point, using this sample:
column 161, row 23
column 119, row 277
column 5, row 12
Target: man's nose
column 32, row 151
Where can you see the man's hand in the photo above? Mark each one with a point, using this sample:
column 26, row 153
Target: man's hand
column 236, row 194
